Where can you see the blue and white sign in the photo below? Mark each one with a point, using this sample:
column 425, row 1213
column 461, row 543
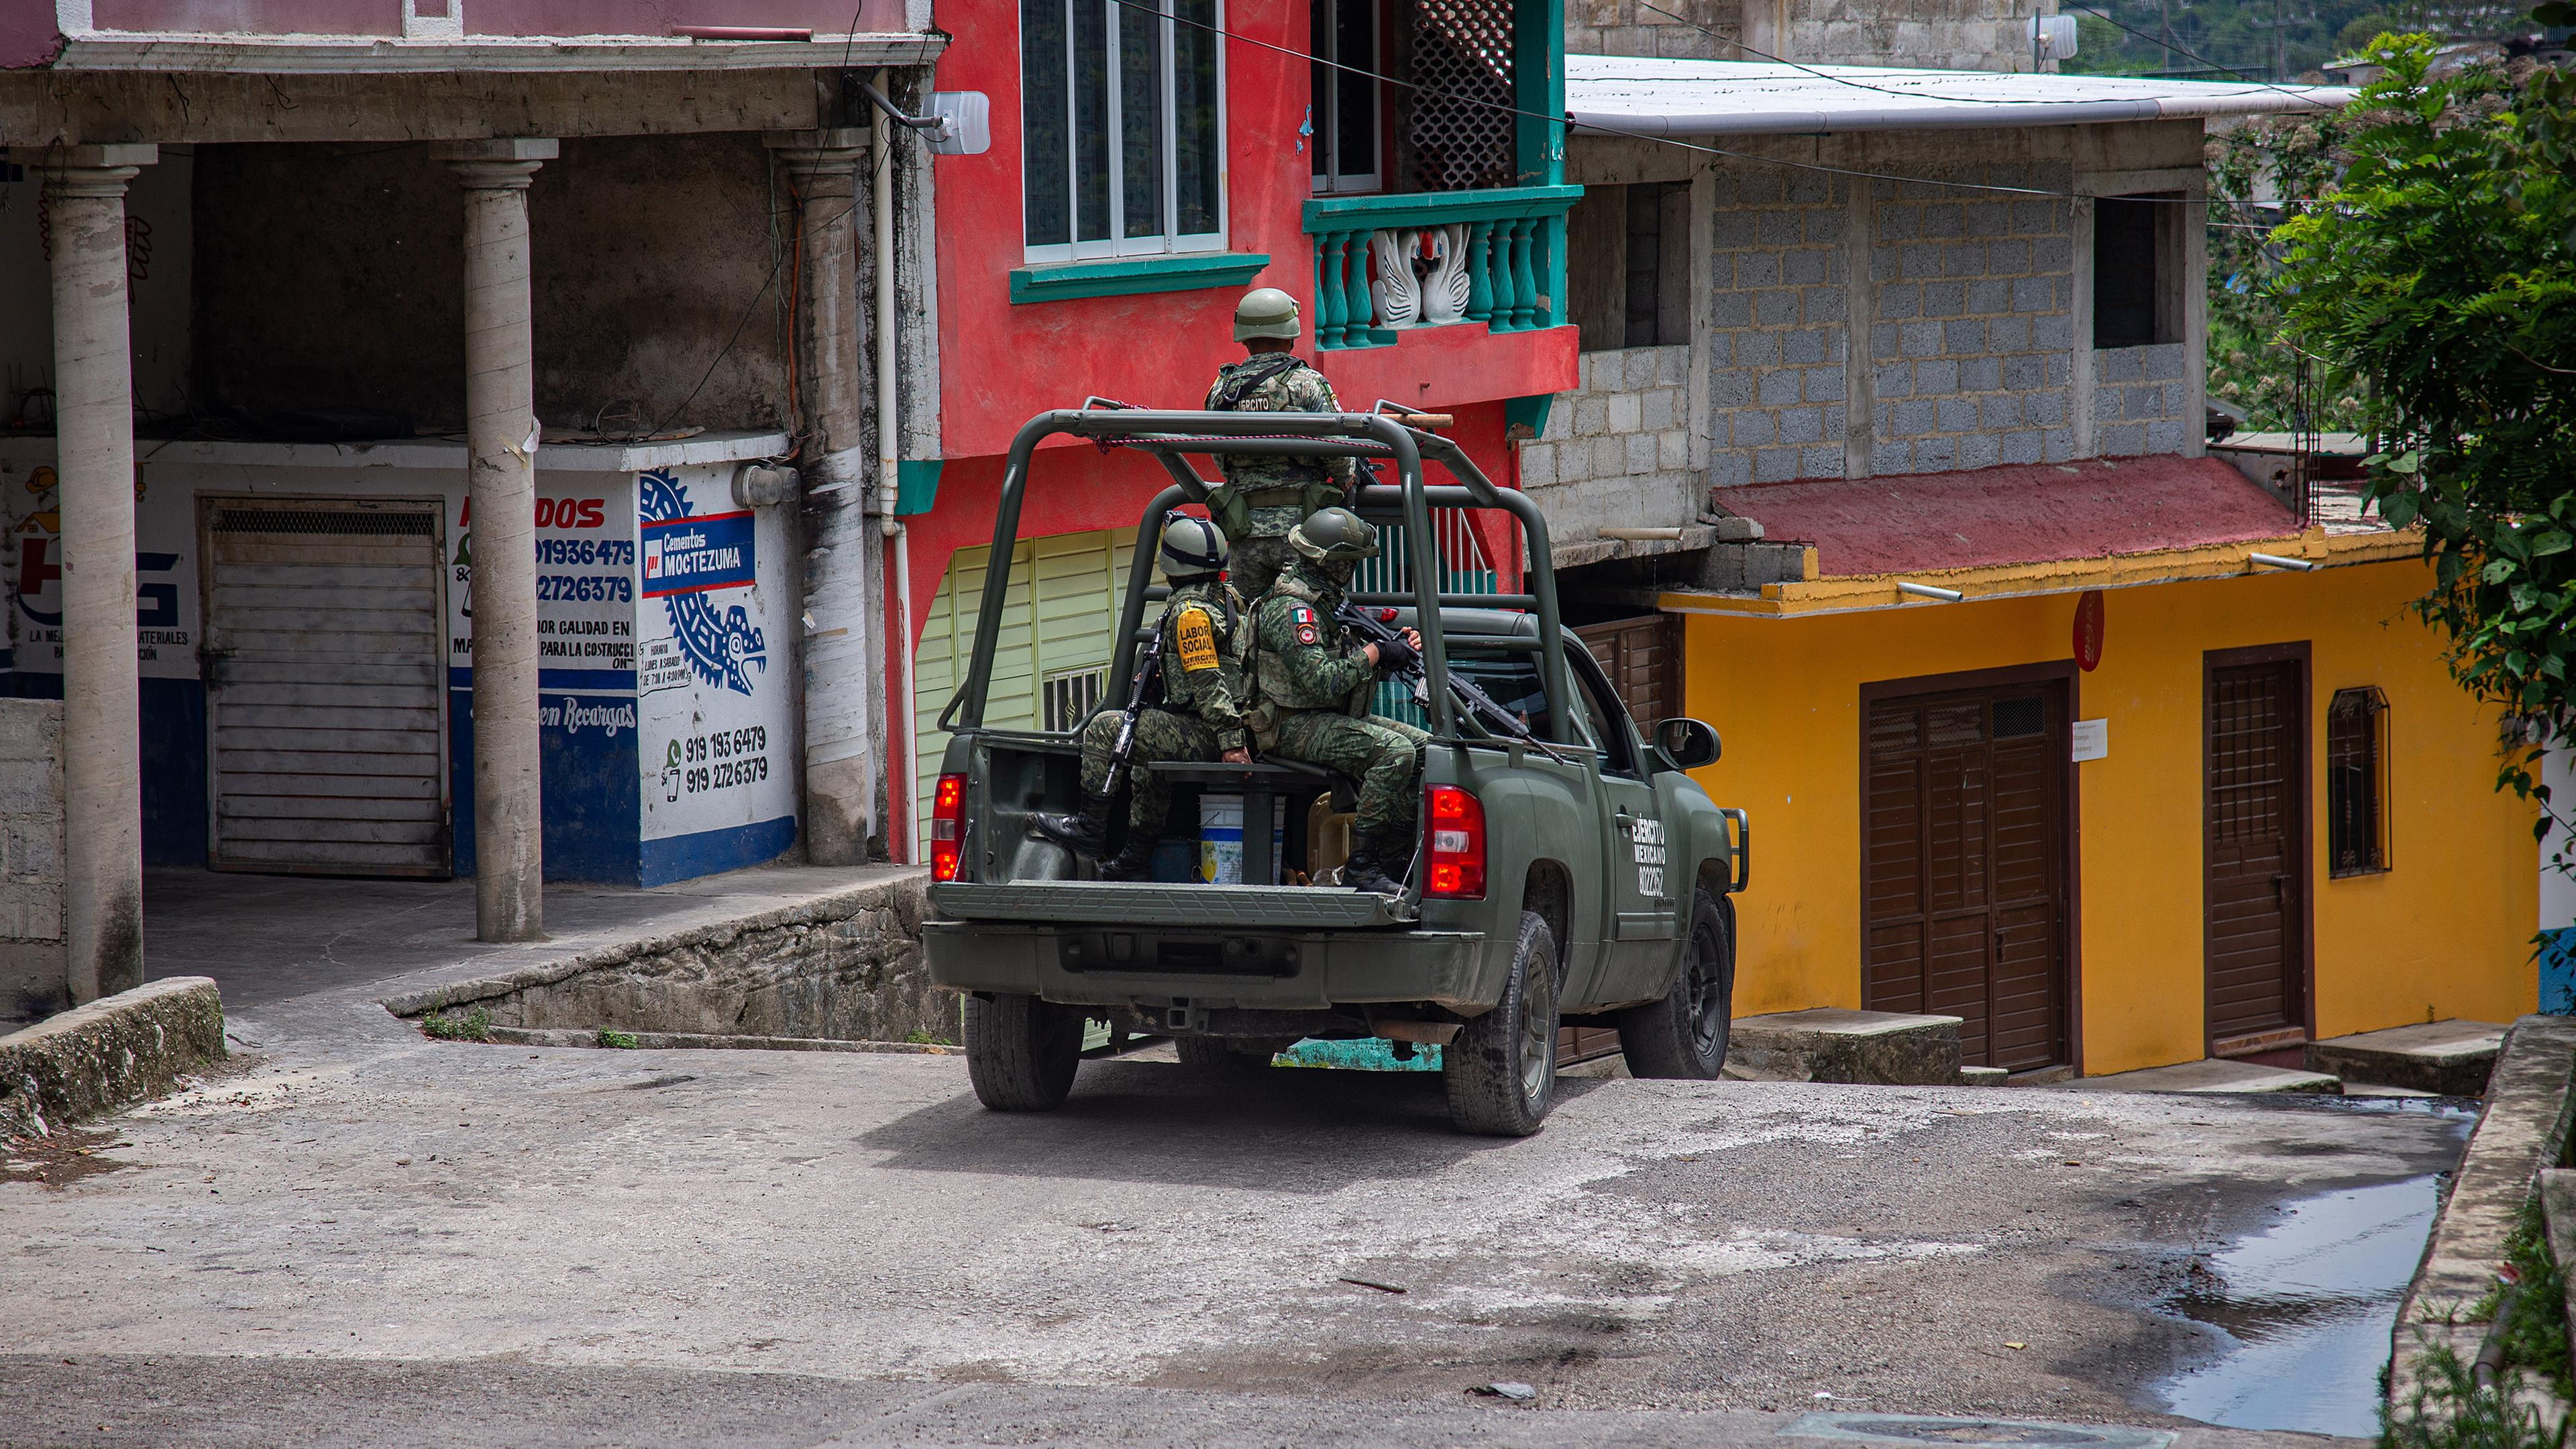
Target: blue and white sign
column 716, row 734
column 694, row 555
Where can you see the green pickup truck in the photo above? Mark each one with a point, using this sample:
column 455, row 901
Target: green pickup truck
column 1581, row 877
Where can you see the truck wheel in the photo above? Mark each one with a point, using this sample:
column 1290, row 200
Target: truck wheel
column 1021, row 1052
column 1501, row 1068
column 1684, row 1035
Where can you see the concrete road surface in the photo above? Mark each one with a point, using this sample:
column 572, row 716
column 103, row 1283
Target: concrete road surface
column 360, row 1236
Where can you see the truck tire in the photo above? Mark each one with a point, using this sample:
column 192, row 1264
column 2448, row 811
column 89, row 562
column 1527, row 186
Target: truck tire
column 1021, row 1052
column 1501, row 1068
column 1684, row 1035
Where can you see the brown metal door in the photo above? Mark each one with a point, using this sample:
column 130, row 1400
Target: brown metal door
column 1963, row 868
column 2254, row 899
column 1643, row 659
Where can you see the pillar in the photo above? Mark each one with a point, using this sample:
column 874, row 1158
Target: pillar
column 844, row 675
column 94, row 442
column 501, row 482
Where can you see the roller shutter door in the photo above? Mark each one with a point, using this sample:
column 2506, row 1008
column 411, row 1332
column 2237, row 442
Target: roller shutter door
column 325, row 687
column 1053, row 659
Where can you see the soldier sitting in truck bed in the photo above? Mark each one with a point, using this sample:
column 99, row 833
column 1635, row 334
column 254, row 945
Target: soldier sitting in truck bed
column 1197, row 717
column 1312, row 690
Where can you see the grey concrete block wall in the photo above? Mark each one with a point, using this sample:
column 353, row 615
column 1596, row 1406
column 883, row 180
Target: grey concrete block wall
column 1971, row 344
column 1626, row 27
column 32, row 980
column 2141, row 400
column 1616, row 451
column 1776, row 333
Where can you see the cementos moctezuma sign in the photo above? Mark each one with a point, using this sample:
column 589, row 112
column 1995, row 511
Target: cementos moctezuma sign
column 691, row 555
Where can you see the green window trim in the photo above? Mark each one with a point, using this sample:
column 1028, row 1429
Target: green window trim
column 1127, row 276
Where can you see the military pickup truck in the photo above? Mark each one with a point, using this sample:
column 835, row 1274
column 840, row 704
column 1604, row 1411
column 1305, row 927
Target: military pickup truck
column 1574, row 876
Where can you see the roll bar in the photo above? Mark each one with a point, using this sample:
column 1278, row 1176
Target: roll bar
column 1171, row 435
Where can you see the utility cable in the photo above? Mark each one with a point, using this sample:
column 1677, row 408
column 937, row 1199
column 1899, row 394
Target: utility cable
column 1571, row 124
column 2188, row 55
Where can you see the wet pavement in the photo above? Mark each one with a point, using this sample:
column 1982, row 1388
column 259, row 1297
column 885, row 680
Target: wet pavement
column 2304, row 1307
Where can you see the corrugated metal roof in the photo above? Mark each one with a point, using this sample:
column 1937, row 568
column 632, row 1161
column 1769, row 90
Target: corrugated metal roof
column 1653, row 97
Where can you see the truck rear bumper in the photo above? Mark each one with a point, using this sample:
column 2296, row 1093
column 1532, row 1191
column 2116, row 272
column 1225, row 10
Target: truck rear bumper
column 1281, row 971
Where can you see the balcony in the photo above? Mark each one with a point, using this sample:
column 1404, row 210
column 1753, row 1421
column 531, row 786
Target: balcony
column 1386, row 264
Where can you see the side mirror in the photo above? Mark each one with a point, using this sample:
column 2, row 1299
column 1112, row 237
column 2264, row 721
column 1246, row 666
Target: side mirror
column 1685, row 744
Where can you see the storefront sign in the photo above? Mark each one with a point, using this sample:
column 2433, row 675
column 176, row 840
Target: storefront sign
column 2088, row 630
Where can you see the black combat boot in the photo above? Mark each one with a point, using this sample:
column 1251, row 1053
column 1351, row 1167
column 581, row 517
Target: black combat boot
column 1085, row 834
column 1135, row 860
column 1366, row 869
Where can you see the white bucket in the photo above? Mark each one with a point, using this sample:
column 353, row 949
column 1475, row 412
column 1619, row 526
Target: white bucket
column 1221, row 839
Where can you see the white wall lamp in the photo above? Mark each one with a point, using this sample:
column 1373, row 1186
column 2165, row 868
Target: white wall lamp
column 2276, row 561
column 1927, row 591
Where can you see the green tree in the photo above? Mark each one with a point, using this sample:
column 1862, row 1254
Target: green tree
column 2443, row 265
column 2280, row 159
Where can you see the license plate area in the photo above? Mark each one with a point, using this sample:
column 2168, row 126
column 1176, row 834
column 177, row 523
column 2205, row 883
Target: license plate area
column 1130, row 952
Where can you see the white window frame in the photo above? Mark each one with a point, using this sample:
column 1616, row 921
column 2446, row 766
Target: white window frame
column 1325, row 116
column 1117, row 243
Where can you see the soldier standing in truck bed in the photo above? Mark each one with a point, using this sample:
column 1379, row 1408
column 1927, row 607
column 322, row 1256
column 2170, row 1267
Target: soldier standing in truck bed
column 1312, row 689
column 1264, row 496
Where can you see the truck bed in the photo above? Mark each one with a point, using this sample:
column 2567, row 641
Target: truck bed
column 1149, row 905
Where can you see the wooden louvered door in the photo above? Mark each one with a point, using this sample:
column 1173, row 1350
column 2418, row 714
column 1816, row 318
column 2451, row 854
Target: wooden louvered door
column 1963, row 871
column 2254, row 852
column 326, row 686
column 1643, row 659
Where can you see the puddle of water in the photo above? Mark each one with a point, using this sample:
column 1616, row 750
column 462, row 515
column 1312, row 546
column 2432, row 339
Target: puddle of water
column 2307, row 1306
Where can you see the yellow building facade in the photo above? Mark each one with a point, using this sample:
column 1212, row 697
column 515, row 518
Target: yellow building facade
column 1796, row 677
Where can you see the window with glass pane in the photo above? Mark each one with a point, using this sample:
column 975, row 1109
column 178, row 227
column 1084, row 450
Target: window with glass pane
column 1345, row 111
column 2357, row 782
column 1122, row 137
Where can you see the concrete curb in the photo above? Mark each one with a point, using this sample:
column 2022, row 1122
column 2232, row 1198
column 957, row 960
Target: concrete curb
column 709, row 1041
column 115, row 1051
column 2523, row 1129
column 904, row 895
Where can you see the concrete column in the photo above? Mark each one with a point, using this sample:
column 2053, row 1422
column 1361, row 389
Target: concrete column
column 94, row 455
column 501, row 482
column 2079, row 373
column 844, row 659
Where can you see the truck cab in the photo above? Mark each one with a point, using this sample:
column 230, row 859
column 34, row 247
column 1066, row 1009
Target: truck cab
column 1569, row 870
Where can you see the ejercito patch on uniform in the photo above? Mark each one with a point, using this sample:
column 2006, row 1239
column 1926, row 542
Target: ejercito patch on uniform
column 1197, row 641
column 1305, row 618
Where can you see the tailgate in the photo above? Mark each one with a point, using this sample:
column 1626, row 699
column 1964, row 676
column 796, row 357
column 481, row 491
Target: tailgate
column 1124, row 903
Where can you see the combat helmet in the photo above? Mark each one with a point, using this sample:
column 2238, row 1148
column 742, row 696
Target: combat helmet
column 1334, row 536
column 1265, row 312
column 1192, row 548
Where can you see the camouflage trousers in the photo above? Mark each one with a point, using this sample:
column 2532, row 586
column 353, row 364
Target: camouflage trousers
column 1384, row 755
column 1160, row 735
column 1252, row 564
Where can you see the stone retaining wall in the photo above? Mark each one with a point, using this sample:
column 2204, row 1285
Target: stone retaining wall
column 2523, row 1130
column 32, row 984
column 846, row 967
column 113, row 1052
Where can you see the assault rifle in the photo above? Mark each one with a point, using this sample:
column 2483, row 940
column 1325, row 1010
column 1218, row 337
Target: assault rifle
column 1403, row 661
column 1147, row 691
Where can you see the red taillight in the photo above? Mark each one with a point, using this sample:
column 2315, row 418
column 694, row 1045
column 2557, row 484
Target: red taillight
column 947, row 826
column 1454, row 827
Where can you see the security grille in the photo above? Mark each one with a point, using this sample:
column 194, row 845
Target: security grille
column 1461, row 127
column 2019, row 718
column 1070, row 696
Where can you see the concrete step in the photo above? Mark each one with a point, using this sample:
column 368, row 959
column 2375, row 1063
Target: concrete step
column 2214, row 1075
column 1830, row 1044
column 2448, row 1058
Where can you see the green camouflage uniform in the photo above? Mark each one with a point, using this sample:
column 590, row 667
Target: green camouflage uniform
column 1263, row 497
column 1199, row 716
column 1312, row 689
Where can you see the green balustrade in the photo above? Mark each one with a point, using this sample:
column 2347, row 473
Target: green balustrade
column 1513, row 239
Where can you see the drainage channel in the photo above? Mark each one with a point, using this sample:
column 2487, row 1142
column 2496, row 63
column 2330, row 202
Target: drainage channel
column 2306, row 1306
